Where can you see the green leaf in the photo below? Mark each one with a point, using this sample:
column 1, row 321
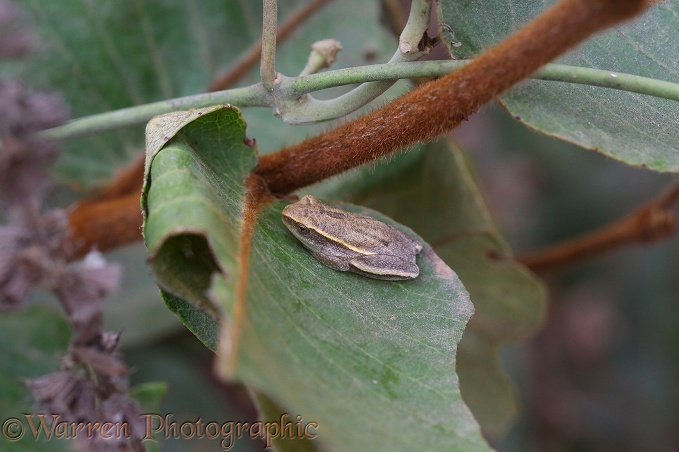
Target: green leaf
column 372, row 362
column 270, row 412
column 633, row 128
column 113, row 54
column 33, row 344
column 150, row 396
column 433, row 190
column 183, row 211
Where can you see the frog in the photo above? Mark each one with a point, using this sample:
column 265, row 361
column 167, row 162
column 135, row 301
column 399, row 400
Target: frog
column 347, row 241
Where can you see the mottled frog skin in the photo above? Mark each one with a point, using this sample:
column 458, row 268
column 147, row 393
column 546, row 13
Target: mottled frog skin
column 352, row 242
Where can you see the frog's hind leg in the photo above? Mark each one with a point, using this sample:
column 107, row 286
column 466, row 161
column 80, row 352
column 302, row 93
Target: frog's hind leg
column 382, row 266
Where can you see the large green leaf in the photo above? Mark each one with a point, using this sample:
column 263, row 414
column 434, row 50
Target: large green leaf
column 634, row 128
column 372, row 362
column 112, row 54
column 433, row 191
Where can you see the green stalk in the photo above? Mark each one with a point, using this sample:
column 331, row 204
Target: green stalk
column 294, row 87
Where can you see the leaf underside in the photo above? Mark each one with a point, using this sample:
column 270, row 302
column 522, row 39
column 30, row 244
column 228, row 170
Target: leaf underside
column 636, row 129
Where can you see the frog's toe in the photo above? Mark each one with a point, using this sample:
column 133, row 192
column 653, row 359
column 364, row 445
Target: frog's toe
column 382, row 266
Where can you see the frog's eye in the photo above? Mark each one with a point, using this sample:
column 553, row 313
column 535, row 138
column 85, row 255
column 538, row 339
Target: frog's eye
column 302, row 229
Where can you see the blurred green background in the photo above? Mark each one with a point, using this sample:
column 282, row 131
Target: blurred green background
column 602, row 373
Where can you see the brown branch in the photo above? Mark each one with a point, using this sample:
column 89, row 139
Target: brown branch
column 439, row 106
column 669, row 198
column 652, row 222
column 104, row 225
column 252, row 56
column 111, row 219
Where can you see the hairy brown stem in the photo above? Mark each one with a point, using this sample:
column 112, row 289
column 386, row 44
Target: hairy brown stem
column 111, row 219
column 256, row 198
column 439, row 106
column 652, row 222
column 105, row 224
column 252, row 56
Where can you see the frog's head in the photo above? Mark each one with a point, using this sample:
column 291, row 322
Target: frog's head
column 304, row 219
column 302, row 215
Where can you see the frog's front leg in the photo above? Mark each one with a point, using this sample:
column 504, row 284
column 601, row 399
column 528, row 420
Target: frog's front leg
column 383, row 266
column 334, row 262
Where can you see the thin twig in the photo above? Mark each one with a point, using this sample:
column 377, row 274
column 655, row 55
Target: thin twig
column 242, row 66
column 323, row 54
column 436, row 68
column 413, row 44
column 418, row 21
column 267, row 68
column 254, row 95
column 251, row 96
column 652, row 222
